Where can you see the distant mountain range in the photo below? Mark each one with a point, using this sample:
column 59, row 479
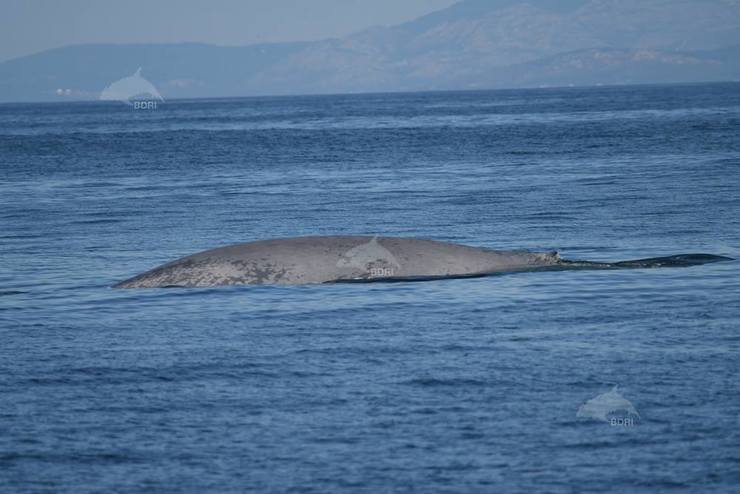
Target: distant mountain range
column 473, row 44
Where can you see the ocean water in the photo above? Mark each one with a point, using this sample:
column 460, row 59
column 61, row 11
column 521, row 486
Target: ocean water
column 470, row 385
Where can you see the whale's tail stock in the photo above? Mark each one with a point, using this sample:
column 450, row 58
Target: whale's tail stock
column 677, row 261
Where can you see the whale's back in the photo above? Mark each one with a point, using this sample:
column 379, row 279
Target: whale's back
column 304, row 260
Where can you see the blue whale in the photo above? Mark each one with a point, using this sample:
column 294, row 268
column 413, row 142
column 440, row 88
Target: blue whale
column 337, row 259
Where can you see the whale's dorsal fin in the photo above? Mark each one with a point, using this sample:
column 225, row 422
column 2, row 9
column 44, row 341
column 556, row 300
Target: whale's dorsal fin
column 138, row 72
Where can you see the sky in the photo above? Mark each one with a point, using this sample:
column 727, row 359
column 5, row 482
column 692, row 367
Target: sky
column 30, row 26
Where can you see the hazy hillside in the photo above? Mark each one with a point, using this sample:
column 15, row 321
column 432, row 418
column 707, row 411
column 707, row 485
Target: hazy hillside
column 472, row 44
column 465, row 45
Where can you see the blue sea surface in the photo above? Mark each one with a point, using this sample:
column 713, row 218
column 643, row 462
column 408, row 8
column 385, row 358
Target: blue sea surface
column 468, row 385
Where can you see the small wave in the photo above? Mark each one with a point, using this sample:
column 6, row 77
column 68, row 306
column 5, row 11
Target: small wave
column 435, row 382
column 11, row 292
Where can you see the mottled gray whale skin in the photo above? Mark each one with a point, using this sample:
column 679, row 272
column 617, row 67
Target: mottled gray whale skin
column 307, row 260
